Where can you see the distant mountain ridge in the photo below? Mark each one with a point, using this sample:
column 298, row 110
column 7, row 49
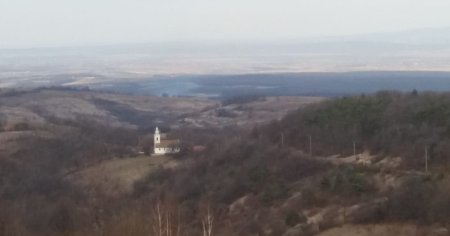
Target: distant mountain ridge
column 413, row 50
column 425, row 36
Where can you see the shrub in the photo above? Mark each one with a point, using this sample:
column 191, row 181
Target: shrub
column 258, row 176
column 410, row 201
column 293, row 218
column 346, row 181
column 311, row 197
column 274, row 191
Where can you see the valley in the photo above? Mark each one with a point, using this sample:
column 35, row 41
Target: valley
column 224, row 118
column 269, row 165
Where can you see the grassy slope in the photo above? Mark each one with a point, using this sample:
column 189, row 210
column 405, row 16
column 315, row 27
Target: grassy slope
column 117, row 176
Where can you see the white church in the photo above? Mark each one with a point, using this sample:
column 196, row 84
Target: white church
column 164, row 145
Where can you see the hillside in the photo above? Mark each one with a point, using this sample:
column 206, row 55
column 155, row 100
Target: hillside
column 260, row 185
column 81, row 176
column 42, row 106
column 45, row 105
column 388, row 123
column 71, row 156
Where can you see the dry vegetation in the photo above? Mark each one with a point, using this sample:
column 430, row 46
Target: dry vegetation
column 80, row 175
column 41, row 106
column 243, row 111
column 117, row 176
column 385, row 230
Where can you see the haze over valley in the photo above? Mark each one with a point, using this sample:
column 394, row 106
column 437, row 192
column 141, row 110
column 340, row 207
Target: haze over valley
column 185, row 68
column 223, row 118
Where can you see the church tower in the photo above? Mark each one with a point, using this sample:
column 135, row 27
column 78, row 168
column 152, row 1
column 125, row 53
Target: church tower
column 166, row 145
column 157, row 136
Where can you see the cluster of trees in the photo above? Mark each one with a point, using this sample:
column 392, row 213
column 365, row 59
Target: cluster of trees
column 243, row 99
column 390, row 123
column 421, row 199
column 229, row 170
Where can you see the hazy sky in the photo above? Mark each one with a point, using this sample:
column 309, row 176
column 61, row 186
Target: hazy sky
column 30, row 23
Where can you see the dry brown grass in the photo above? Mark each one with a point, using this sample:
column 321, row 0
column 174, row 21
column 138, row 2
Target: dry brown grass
column 383, row 229
column 11, row 141
column 117, row 176
column 256, row 112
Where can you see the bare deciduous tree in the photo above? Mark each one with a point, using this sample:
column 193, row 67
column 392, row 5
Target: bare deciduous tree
column 166, row 219
column 208, row 222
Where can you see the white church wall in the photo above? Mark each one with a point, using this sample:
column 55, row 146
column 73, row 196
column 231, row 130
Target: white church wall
column 162, row 150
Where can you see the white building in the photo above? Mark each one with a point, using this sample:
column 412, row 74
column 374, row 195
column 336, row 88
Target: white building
column 164, row 145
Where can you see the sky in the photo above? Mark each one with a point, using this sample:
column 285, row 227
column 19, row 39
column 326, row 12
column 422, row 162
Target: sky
column 32, row 23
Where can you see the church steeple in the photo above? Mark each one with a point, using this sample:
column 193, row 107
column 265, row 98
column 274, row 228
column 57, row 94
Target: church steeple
column 157, row 136
column 165, row 146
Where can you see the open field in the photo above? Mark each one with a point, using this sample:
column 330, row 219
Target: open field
column 117, row 176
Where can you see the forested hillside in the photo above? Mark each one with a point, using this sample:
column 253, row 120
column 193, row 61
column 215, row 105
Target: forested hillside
column 260, row 181
column 388, row 123
column 266, row 182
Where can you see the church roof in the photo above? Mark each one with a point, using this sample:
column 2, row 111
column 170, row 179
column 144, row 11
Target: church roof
column 168, row 143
